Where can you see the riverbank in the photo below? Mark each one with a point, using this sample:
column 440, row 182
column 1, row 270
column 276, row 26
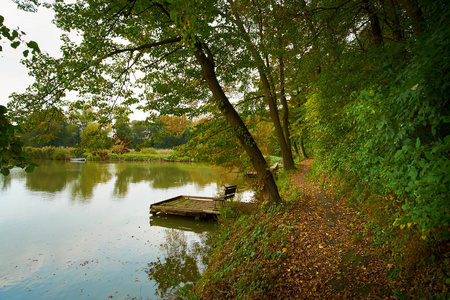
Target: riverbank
column 147, row 154
column 313, row 246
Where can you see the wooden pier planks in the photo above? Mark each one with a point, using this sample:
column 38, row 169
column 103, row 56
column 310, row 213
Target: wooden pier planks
column 196, row 206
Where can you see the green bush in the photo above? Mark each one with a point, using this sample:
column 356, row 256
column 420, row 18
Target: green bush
column 249, row 247
column 61, row 154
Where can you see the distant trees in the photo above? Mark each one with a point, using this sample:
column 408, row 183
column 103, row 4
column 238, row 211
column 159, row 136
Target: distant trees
column 169, row 132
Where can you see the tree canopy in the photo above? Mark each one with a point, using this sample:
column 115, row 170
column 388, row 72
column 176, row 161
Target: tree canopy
column 363, row 83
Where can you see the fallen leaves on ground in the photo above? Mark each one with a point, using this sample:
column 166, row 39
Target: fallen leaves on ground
column 327, row 258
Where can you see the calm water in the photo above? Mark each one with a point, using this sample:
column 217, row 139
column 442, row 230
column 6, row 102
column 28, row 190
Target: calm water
column 83, row 230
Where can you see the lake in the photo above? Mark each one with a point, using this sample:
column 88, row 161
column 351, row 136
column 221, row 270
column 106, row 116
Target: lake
column 83, row 230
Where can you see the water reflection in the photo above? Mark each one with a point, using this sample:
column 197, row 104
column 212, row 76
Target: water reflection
column 51, row 177
column 89, row 176
column 181, row 223
column 82, row 179
column 5, row 182
column 180, row 264
column 72, row 231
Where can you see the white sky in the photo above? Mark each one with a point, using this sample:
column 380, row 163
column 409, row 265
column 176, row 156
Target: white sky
column 38, row 27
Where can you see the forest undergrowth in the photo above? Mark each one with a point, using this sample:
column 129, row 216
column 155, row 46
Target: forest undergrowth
column 312, row 246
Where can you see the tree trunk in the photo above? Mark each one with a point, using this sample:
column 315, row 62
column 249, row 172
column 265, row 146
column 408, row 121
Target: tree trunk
column 284, row 104
column 398, row 33
column 374, row 22
column 269, row 189
column 296, row 149
column 302, row 148
column 288, row 161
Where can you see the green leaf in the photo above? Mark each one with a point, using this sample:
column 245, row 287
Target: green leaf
column 417, row 143
column 26, row 52
column 15, row 44
column 33, row 45
column 5, row 171
column 429, row 155
column 29, row 169
column 413, row 173
column 398, row 153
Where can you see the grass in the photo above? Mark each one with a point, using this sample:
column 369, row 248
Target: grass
column 245, row 265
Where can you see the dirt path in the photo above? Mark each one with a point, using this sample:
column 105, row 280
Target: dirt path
column 327, row 258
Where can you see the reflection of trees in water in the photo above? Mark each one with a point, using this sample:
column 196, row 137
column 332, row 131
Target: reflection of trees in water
column 51, row 176
column 89, row 177
column 162, row 176
column 126, row 175
column 181, row 264
column 6, row 182
column 55, row 176
column 203, row 176
column 168, row 175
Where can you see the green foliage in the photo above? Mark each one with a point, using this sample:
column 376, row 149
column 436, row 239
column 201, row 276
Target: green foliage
column 378, row 117
column 212, row 140
column 15, row 37
column 250, row 246
column 12, row 154
column 48, row 152
column 288, row 191
column 391, row 130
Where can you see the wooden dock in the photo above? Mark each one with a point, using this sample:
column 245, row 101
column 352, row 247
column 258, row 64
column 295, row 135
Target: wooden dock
column 195, row 206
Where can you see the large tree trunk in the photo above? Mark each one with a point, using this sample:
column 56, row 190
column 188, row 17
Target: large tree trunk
column 286, row 152
column 269, row 190
column 269, row 93
column 398, row 32
column 284, row 104
column 374, row 22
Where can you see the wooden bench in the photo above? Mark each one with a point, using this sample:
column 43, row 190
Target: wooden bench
column 230, row 191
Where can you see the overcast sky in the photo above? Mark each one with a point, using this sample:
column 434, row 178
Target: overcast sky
column 39, row 28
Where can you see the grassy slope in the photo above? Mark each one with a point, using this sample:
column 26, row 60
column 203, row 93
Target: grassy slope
column 313, row 246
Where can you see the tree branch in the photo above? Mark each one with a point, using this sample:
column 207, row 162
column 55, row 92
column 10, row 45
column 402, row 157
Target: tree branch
column 146, row 46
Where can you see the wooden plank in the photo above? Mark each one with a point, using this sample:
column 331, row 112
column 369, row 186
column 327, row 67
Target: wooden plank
column 185, row 205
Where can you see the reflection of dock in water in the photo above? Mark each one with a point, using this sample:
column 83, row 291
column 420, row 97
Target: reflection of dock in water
column 192, row 206
column 181, row 223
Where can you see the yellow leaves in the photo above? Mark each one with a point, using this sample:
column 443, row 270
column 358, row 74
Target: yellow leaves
column 175, row 125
